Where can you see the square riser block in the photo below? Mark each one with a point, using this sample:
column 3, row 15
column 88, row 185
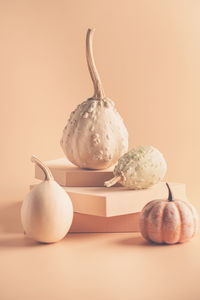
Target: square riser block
column 66, row 174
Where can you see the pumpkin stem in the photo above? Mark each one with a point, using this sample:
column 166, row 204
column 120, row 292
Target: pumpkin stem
column 112, row 181
column 45, row 169
column 171, row 195
column 98, row 88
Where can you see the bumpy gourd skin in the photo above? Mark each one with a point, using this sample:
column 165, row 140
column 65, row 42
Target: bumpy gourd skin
column 95, row 135
column 141, row 167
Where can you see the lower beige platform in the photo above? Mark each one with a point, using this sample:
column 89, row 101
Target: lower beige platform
column 88, row 223
column 116, row 201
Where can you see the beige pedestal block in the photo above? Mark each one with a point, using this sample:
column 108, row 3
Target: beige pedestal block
column 116, row 201
column 66, row 174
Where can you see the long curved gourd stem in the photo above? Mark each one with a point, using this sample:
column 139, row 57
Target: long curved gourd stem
column 98, row 88
column 171, row 195
column 45, row 169
column 112, row 181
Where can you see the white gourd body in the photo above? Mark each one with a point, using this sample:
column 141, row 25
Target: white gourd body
column 47, row 212
column 95, row 136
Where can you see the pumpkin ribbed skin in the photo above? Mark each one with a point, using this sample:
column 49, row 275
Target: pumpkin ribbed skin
column 95, row 135
column 169, row 222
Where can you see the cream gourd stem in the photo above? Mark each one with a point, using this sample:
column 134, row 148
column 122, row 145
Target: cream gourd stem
column 98, row 88
column 112, row 181
column 171, row 195
column 45, row 169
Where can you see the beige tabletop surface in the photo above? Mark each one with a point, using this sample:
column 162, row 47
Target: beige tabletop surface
column 94, row 266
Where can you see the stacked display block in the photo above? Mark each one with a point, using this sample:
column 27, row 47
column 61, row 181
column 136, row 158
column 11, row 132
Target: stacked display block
column 101, row 209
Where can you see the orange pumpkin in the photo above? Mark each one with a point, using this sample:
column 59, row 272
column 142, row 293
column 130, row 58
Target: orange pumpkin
column 168, row 221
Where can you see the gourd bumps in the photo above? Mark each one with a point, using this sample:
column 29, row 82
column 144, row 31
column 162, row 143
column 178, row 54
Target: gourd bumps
column 139, row 168
column 95, row 135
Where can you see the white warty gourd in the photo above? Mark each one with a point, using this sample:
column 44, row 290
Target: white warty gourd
column 139, row 168
column 95, row 136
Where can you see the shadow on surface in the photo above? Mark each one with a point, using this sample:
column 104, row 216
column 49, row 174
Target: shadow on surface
column 10, row 218
column 18, row 242
column 140, row 242
column 87, row 236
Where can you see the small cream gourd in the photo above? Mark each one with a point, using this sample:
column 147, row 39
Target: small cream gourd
column 95, row 135
column 139, row 168
column 168, row 221
column 47, row 212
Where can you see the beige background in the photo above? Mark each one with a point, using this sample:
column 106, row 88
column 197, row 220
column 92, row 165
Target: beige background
column 147, row 53
column 148, row 56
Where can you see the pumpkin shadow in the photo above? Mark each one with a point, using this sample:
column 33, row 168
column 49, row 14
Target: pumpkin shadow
column 132, row 241
column 139, row 241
